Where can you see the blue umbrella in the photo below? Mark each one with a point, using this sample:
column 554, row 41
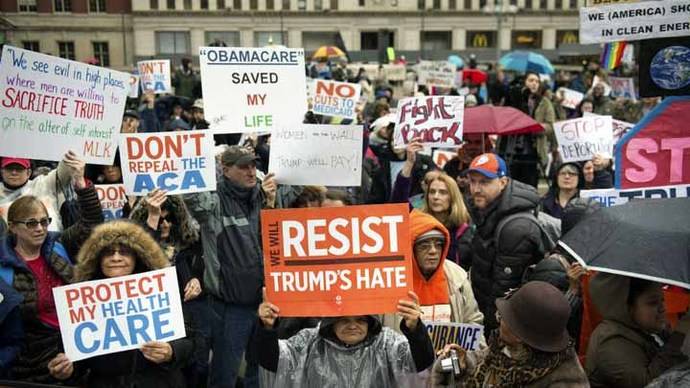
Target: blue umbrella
column 523, row 61
column 457, row 61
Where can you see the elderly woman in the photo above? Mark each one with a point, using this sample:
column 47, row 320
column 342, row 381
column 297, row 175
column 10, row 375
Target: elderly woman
column 121, row 248
column 345, row 351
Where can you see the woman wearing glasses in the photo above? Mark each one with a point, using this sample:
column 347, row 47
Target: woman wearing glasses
column 34, row 261
column 566, row 185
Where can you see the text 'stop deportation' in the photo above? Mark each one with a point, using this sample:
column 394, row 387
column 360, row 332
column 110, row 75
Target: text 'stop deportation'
column 253, row 57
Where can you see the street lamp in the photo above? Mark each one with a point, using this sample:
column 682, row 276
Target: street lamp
column 499, row 9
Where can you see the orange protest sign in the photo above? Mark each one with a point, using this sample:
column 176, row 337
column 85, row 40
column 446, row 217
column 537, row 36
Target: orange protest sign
column 342, row 261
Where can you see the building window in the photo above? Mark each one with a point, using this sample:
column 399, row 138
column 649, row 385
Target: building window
column 96, row 6
column 220, row 4
column 482, row 4
column 566, row 37
column 203, row 4
column 312, row 40
column 437, row 4
column 542, row 4
column 101, row 52
column 452, row 4
column 172, row 43
column 286, row 4
column 170, row 4
column 436, row 40
column 361, row 3
column 27, row 6
column 468, row 4
column 302, row 5
column 237, row 4
column 369, row 40
column 253, row 5
column 223, row 38
column 265, row 38
column 187, row 4
column 63, row 5
column 32, row 45
column 66, row 50
column 270, row 5
column 421, row 5
column 153, row 4
column 318, row 5
column 573, row 3
column 526, row 39
column 481, row 39
column 334, row 5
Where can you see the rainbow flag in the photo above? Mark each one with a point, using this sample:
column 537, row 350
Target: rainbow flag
column 612, row 55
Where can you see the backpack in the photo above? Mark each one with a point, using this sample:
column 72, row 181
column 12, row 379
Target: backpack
column 549, row 226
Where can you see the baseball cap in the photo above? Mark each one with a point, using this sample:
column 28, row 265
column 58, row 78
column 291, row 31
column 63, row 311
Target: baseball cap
column 198, row 104
column 489, row 165
column 131, row 113
column 26, row 163
column 236, row 155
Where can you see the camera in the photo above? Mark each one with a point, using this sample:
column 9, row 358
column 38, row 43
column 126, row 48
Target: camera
column 451, row 364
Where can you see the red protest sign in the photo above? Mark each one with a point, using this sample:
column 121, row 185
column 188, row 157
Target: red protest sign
column 656, row 152
column 351, row 260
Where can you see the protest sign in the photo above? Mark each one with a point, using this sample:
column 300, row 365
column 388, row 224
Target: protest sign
column 571, row 98
column 623, row 87
column 467, row 335
column 252, row 89
column 113, row 198
column 133, row 86
column 620, row 128
column 596, row 81
column 656, row 152
column 155, row 75
column 582, row 138
column 327, row 155
column 441, row 157
column 332, row 98
column 438, row 73
column 117, row 314
column 614, row 197
column 178, row 162
column 599, row 3
column 664, row 65
column 52, row 105
column 637, row 21
column 437, row 120
column 394, row 72
column 352, row 260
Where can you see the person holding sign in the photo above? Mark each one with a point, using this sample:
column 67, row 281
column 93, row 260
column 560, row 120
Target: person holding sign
column 115, row 249
column 351, row 351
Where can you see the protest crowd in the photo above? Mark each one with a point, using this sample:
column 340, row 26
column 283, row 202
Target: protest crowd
column 430, row 228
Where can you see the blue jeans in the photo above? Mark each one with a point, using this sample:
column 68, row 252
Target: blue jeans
column 231, row 330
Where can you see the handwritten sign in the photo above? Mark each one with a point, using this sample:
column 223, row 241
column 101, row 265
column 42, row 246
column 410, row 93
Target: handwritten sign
column 437, row 120
column 614, row 197
column 252, row 89
column 582, row 138
column 178, row 162
column 467, row 335
column 571, row 98
column 441, row 157
column 133, row 86
column 620, row 128
column 328, row 155
column 113, row 198
column 437, row 74
column 636, row 21
column 623, row 87
column 52, row 105
column 352, row 260
column 155, row 75
column 394, row 72
column 338, row 99
column 117, row 314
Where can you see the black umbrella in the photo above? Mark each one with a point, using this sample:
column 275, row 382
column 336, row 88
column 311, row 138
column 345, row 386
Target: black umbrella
column 648, row 239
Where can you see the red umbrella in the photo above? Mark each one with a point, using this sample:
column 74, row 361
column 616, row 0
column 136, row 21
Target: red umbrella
column 474, row 76
column 498, row 120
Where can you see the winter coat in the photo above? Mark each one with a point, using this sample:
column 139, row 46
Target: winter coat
column 536, row 146
column 603, row 106
column 545, row 115
column 621, row 354
column 493, row 273
column 184, row 82
column 231, row 240
column 11, row 329
column 130, row 368
column 315, row 358
column 43, row 342
column 678, row 376
column 549, row 203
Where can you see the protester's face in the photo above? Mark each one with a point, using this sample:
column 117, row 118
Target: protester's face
column 15, row 175
column 332, row 203
column 471, row 148
column 351, row 330
column 567, row 178
column 112, row 174
column 588, row 171
column 587, row 107
column 485, row 190
column 31, row 235
column 198, row 114
column 242, row 175
column 165, row 224
column 177, row 111
column 129, row 125
column 438, row 197
column 598, row 90
column 648, row 310
column 507, row 335
column 428, row 255
column 117, row 261
column 532, row 83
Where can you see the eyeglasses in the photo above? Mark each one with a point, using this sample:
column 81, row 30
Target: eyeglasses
column 122, row 250
column 427, row 245
column 32, row 224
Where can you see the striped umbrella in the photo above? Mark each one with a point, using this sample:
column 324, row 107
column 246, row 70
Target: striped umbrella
column 328, row 52
column 523, row 61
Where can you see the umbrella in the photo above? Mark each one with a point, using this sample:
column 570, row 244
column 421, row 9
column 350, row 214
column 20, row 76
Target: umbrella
column 648, row 239
column 456, row 60
column 523, row 61
column 474, row 76
column 328, row 52
column 499, row 120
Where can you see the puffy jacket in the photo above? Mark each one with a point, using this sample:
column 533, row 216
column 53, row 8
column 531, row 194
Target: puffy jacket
column 11, row 329
column 493, row 273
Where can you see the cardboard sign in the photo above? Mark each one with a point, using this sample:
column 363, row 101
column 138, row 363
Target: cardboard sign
column 332, row 98
column 117, row 314
column 441, row 157
column 327, row 155
column 178, row 162
column 467, row 335
column 623, row 87
column 394, row 72
column 52, row 105
column 614, row 197
column 436, row 73
column 571, row 98
column 637, row 21
column 155, row 75
column 253, row 89
column 133, row 86
column 437, row 120
column 113, row 198
column 664, row 65
column 582, row 138
column 331, row 262
column 656, row 152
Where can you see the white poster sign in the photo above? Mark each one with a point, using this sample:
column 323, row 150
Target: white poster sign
column 571, row 98
column 133, row 86
column 623, row 87
column 620, row 128
column 155, row 75
column 436, row 120
column 327, row 155
column 332, row 98
column 613, row 197
column 113, row 198
column 439, row 73
column 52, row 105
column 582, row 138
column 441, row 157
column 253, row 89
